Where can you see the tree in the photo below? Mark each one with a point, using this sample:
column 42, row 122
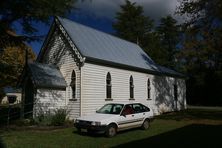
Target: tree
column 202, row 50
column 23, row 13
column 131, row 24
column 168, row 33
column 26, row 13
column 12, row 61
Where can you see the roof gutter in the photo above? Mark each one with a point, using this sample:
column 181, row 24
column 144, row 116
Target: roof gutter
column 127, row 67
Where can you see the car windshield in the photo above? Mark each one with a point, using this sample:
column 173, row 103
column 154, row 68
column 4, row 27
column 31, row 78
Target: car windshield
column 111, row 109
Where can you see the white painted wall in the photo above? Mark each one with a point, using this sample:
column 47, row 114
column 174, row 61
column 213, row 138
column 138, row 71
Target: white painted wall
column 94, row 89
column 48, row 100
column 60, row 54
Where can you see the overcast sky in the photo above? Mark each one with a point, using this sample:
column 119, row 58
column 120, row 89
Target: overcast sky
column 100, row 14
column 108, row 8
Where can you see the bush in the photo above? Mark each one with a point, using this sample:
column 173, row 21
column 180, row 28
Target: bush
column 43, row 118
column 57, row 118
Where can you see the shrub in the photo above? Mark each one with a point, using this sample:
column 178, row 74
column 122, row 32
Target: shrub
column 55, row 118
column 43, row 118
column 59, row 117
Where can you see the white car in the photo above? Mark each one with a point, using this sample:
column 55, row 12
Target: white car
column 114, row 117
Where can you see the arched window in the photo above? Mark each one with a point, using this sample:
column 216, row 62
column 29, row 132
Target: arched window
column 108, row 86
column 131, row 87
column 148, row 89
column 175, row 92
column 73, row 84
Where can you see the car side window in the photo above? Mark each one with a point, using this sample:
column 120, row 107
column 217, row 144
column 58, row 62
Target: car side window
column 128, row 110
column 137, row 108
column 117, row 109
column 145, row 109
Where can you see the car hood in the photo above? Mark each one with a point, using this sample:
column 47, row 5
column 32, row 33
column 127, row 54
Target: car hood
column 97, row 117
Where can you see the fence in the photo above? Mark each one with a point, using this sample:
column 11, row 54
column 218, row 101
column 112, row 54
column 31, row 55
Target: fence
column 10, row 113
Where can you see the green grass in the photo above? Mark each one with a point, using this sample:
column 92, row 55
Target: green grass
column 191, row 128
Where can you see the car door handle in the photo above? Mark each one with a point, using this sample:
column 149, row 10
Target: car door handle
column 132, row 115
column 143, row 113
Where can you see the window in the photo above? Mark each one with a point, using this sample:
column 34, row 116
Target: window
column 131, row 88
column 148, row 89
column 139, row 108
column 108, row 86
column 175, row 92
column 128, row 110
column 111, row 109
column 73, row 84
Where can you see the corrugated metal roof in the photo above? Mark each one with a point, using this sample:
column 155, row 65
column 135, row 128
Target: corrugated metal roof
column 102, row 46
column 44, row 75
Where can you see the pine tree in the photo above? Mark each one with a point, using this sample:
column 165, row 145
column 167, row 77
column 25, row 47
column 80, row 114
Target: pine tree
column 131, row 24
column 202, row 50
column 168, row 32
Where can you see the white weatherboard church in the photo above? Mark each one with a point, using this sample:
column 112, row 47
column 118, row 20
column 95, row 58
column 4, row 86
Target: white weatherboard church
column 81, row 69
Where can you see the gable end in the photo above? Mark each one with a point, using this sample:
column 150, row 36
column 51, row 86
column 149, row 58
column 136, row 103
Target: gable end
column 77, row 55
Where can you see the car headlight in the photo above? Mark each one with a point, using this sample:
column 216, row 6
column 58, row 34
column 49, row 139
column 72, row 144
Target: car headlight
column 96, row 123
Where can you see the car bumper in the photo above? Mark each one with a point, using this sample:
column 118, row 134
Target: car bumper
column 96, row 128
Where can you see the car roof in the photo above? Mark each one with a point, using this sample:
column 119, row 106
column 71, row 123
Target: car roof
column 124, row 103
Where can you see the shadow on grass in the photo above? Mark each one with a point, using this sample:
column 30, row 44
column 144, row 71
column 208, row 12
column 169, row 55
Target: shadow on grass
column 2, row 145
column 192, row 114
column 90, row 134
column 195, row 135
column 102, row 134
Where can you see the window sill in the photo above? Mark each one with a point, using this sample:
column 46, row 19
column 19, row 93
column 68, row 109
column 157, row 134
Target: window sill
column 131, row 99
column 108, row 99
column 73, row 99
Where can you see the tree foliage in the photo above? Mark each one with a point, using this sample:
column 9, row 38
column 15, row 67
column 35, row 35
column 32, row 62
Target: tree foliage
column 12, row 61
column 159, row 43
column 168, row 33
column 25, row 13
column 131, row 24
column 202, row 50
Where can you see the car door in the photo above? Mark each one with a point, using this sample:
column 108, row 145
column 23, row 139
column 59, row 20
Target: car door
column 126, row 119
column 139, row 114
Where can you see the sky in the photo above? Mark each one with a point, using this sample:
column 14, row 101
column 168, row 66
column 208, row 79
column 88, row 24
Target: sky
column 100, row 14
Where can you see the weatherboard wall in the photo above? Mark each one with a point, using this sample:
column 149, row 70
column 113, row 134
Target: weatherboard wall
column 47, row 100
column 59, row 53
column 162, row 95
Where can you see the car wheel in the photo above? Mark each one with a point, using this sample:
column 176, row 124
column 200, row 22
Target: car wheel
column 111, row 130
column 146, row 124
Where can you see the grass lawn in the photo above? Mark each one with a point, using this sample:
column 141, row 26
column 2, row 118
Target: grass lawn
column 190, row 128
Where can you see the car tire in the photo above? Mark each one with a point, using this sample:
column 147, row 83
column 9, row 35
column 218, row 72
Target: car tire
column 111, row 130
column 146, row 124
